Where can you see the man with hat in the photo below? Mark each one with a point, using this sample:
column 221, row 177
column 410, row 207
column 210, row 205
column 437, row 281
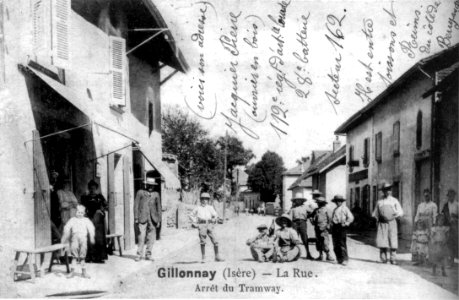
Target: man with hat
column 147, row 214
column 206, row 216
column 286, row 241
column 261, row 246
column 321, row 219
column 299, row 214
column 340, row 221
column 386, row 211
column 451, row 212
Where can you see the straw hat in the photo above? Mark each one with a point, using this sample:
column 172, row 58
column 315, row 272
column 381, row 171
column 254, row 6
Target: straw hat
column 150, row 181
column 338, row 198
column 284, row 217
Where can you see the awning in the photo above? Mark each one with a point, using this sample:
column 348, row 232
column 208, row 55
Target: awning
column 170, row 180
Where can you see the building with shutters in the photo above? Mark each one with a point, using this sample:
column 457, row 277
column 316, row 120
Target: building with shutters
column 81, row 101
column 407, row 136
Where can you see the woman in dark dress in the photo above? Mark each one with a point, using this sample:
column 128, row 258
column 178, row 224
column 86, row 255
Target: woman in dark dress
column 96, row 206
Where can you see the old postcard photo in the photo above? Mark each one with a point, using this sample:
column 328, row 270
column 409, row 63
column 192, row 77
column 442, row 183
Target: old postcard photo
column 229, row 149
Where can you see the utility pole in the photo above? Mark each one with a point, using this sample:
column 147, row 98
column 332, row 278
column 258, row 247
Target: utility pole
column 224, row 174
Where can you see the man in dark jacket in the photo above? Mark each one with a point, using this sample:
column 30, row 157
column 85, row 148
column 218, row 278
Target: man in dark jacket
column 147, row 214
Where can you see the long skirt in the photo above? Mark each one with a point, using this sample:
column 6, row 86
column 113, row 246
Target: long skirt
column 98, row 251
column 387, row 235
column 452, row 241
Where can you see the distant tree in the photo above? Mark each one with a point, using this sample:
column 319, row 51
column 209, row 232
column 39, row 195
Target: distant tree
column 184, row 136
column 265, row 176
column 238, row 155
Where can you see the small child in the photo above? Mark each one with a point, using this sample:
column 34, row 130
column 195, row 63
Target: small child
column 321, row 220
column 76, row 231
column 420, row 243
column 261, row 246
column 438, row 250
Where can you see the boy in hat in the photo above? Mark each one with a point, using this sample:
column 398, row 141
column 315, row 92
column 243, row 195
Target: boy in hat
column 261, row 246
column 321, row 220
column 341, row 219
column 205, row 216
column 147, row 214
column 386, row 211
column 299, row 214
column 286, row 242
column 76, row 231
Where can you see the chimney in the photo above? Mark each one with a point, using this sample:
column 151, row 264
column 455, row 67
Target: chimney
column 336, row 144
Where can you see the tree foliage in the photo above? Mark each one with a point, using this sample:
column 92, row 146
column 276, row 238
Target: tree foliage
column 200, row 157
column 265, row 176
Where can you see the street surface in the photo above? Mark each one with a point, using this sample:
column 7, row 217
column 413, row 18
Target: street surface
column 241, row 277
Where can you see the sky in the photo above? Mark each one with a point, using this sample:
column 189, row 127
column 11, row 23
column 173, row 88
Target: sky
column 336, row 47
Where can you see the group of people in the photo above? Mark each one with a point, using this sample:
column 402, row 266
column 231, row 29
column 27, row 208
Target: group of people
column 82, row 225
column 434, row 238
column 435, row 235
column 283, row 245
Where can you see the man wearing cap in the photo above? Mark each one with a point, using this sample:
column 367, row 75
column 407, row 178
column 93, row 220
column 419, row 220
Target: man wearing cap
column 205, row 216
column 386, row 211
column 286, row 241
column 341, row 219
column 261, row 246
column 147, row 214
column 299, row 214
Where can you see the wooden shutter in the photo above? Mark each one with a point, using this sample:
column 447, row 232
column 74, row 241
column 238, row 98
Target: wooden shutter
column 117, row 68
column 127, row 201
column 111, row 191
column 366, row 152
column 41, row 29
column 396, row 137
column 42, row 215
column 60, row 27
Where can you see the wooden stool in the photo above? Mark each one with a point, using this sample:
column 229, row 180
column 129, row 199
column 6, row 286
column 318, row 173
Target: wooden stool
column 111, row 238
column 37, row 263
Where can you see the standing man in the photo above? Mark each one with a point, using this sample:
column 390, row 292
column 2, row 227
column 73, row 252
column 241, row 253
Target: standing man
column 341, row 219
column 147, row 214
column 299, row 214
column 386, row 211
column 450, row 211
column 206, row 216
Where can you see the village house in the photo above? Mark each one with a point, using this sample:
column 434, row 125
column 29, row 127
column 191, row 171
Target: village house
column 406, row 136
column 82, row 101
column 289, row 177
column 326, row 173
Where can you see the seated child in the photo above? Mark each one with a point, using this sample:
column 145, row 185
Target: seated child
column 261, row 246
column 76, row 231
column 321, row 220
column 438, row 250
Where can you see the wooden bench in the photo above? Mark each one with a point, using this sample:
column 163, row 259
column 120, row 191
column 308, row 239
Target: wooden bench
column 117, row 236
column 35, row 258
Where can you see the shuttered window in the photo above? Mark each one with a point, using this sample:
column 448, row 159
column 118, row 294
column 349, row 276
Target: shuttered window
column 366, row 152
column 419, row 130
column 40, row 11
column 378, row 147
column 51, row 31
column 61, row 33
column 117, row 66
column 396, row 138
